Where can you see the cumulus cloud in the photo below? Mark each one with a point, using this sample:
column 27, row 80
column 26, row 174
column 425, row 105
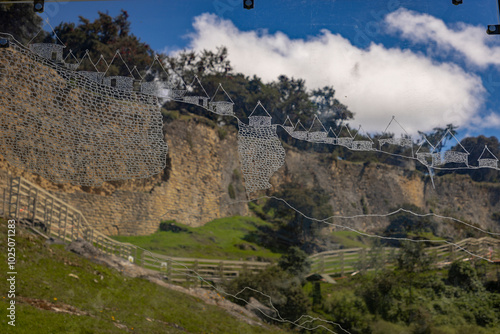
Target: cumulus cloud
column 469, row 41
column 375, row 83
column 493, row 120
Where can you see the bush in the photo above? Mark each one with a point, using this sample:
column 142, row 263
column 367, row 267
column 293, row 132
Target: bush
column 404, row 223
column 377, row 294
column 284, row 290
column 413, row 257
column 463, row 275
column 171, row 226
column 170, row 115
column 231, row 192
column 295, row 262
column 349, row 311
column 222, row 133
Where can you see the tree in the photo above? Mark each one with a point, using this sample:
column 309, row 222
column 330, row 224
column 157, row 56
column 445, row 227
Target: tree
column 273, row 285
column 329, row 108
column 21, row 21
column 203, row 64
column 440, row 136
column 413, row 258
column 308, row 202
column 104, row 37
column 475, row 145
column 295, row 262
column 293, row 100
column 405, row 224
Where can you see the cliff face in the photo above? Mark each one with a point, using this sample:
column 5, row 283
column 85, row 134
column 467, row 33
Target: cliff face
column 202, row 167
column 193, row 189
column 377, row 189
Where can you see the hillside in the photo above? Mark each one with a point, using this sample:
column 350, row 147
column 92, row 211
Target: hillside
column 58, row 291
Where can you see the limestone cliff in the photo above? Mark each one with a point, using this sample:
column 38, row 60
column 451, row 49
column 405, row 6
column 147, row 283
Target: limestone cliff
column 203, row 169
column 193, row 189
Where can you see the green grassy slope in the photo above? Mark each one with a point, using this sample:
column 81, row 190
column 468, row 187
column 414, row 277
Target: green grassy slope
column 218, row 239
column 108, row 298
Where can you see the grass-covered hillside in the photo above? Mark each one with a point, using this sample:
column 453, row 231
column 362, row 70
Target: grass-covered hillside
column 93, row 298
column 231, row 238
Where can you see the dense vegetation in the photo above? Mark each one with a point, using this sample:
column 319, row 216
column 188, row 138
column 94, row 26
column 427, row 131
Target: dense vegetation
column 464, row 298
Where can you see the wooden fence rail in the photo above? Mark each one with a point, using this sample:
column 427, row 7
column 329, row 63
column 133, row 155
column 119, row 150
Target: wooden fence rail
column 346, row 261
column 30, row 204
column 189, row 269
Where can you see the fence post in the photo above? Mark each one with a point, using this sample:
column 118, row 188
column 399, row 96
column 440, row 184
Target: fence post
column 221, row 270
column 51, row 214
column 363, row 260
column 72, row 227
column 65, row 223
column 59, row 223
column 322, row 264
column 35, row 205
column 28, row 207
column 452, row 253
column 169, row 268
column 18, row 198
column 341, row 255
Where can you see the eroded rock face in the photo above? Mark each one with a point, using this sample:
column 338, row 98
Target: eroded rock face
column 193, row 189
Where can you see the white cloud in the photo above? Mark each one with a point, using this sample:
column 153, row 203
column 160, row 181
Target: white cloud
column 492, row 120
column 375, row 83
column 469, row 41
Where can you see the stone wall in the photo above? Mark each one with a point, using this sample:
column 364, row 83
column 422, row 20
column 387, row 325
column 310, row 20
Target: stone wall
column 193, row 190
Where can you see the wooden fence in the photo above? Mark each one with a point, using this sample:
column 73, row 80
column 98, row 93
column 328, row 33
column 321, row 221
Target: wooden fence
column 346, row 261
column 49, row 216
column 30, row 204
column 179, row 269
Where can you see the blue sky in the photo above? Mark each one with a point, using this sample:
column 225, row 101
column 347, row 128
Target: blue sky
column 426, row 62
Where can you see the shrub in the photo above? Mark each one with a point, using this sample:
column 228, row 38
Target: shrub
column 463, row 275
column 170, row 115
column 172, row 226
column 284, row 290
column 295, row 262
column 231, row 192
column 222, row 133
column 349, row 311
column 413, row 257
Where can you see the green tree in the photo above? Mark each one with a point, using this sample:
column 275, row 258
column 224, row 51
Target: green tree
column 329, row 109
column 308, row 202
column 440, row 136
column 21, row 21
column 293, row 100
column 405, row 224
column 276, row 288
column 475, row 146
column 104, row 36
column 413, row 258
column 295, row 262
